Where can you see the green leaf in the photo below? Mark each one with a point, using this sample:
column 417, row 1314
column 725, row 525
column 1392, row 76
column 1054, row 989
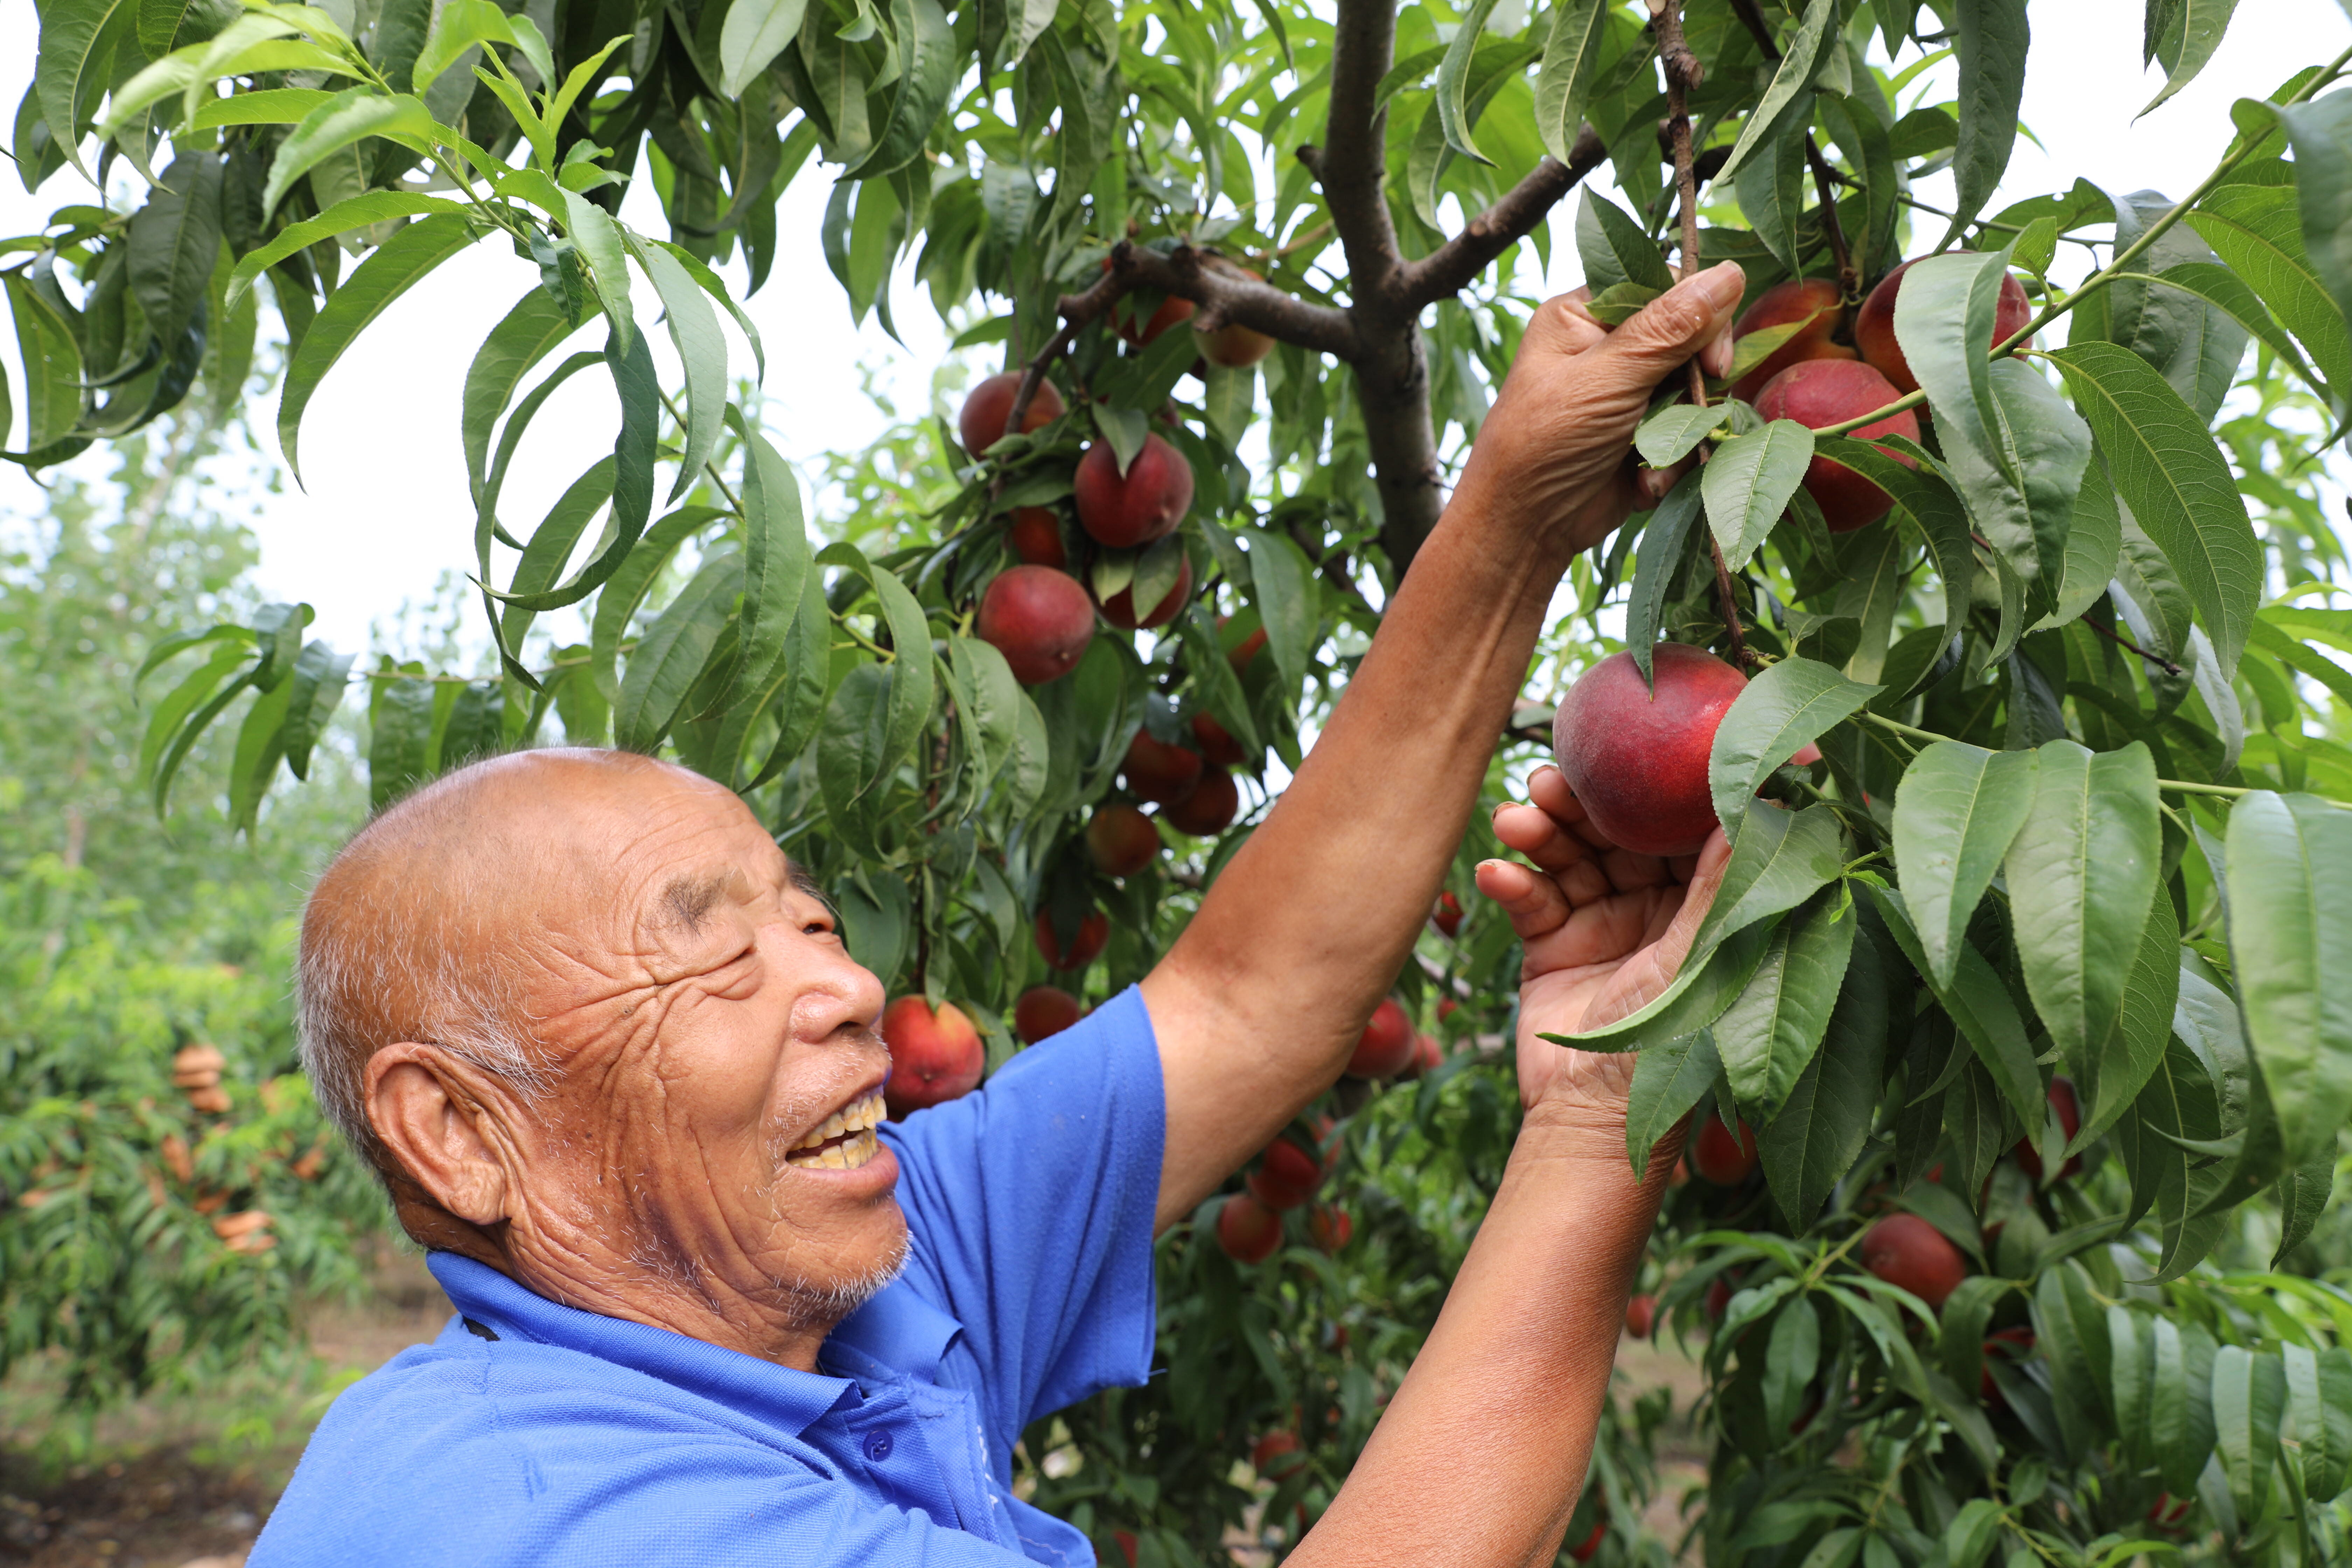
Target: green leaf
column 2093, row 544
column 316, row 692
column 1711, row 977
column 911, row 682
column 1614, row 248
column 2320, row 131
column 522, row 338
column 2082, row 870
column 1992, row 38
column 1789, row 99
column 1749, row 483
column 550, row 548
column 2071, row 1332
column 2224, row 293
column 756, row 31
column 701, row 350
column 1791, row 704
column 53, row 369
column 2319, row 1416
column 260, row 744
column 1283, row 589
column 2290, row 924
column 2135, row 1048
column 1779, row 863
column 799, row 682
column 1673, row 432
column 2192, row 342
column 928, row 61
column 2180, row 1388
column 1571, row 52
column 173, row 242
column 853, row 748
column 621, row 593
column 672, row 652
column 353, row 212
column 349, row 117
column 1771, row 188
column 1932, row 503
column 2258, row 231
column 400, row 728
column 1767, row 1036
column 391, row 271
column 2249, row 1400
column 458, row 26
column 1668, row 1080
column 2175, row 482
column 69, row 66
column 194, row 689
column 2303, row 1194
column 2191, row 31
column 1957, row 810
column 1454, row 81
column 1792, row 1360
column 1818, row 1134
column 777, row 560
column 1666, row 541
column 702, row 273
column 1980, row 1006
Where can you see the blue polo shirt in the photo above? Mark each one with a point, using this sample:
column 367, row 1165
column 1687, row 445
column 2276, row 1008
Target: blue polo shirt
column 532, row 1433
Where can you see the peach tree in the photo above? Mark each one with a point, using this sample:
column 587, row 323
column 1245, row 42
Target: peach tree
column 2013, row 1012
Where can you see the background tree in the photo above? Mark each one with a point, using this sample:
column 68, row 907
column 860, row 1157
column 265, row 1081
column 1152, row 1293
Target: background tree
column 2060, row 878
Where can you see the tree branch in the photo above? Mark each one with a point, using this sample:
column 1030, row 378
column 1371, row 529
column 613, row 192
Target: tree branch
column 1226, row 294
column 1448, row 269
column 1349, row 166
column 1076, row 310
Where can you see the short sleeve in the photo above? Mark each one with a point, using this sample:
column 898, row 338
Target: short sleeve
column 1030, row 1204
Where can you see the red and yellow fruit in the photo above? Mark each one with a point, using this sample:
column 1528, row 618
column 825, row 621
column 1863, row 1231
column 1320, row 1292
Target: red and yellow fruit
column 1874, row 325
column 1044, row 1011
column 1217, row 746
column 1247, row 1230
column 1158, row 772
column 1821, row 393
column 1329, row 1228
column 1208, row 808
column 2069, row 1109
column 1385, row 1046
column 1035, row 532
column 1287, row 1175
column 1813, row 300
column 1093, row 935
column 1641, row 1316
column 1039, row 619
column 1638, row 762
column 935, row 1056
column 1145, row 504
column 1719, row 1156
column 1234, row 347
column 980, row 424
column 1119, row 608
column 1122, row 840
column 1907, row 1251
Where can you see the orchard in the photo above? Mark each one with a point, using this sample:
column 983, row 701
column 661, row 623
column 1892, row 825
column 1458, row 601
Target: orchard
column 1990, row 613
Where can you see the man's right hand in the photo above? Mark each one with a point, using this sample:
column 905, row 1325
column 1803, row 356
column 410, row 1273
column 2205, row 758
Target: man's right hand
column 1605, row 930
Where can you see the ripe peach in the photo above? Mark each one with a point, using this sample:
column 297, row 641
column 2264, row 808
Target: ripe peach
column 1044, row 1011
column 1208, row 808
column 1122, row 840
column 1217, row 746
column 1039, row 619
column 1158, row 772
column 1035, row 532
column 1718, row 1299
column 1638, row 763
column 1428, row 1053
column 2169, row 1513
column 1905, row 1250
column 1145, row 504
column 1277, row 1454
column 1584, row 1551
column 1329, row 1228
column 1641, row 1316
column 1248, row 1230
column 1794, row 301
column 1094, row 934
column 1242, row 652
column 1830, row 391
column 1287, row 1175
column 1139, row 330
column 1719, row 1157
column 1386, row 1044
column 1128, row 1543
column 934, row 1057
column 981, row 424
column 1447, row 916
column 1119, row 608
column 1874, row 325
column 2070, row 1121
column 1233, row 346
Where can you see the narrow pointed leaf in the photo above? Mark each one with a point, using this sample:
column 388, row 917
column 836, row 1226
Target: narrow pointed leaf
column 1957, row 810
column 1788, row 705
column 1749, row 482
column 1767, row 1036
column 2290, row 922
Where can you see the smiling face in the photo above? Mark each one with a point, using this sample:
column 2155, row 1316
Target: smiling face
column 703, row 1158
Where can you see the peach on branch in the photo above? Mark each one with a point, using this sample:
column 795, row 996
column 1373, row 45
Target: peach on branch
column 1217, row 746
column 1874, row 325
column 1907, row 1251
column 1329, row 1228
column 1119, row 608
column 1044, row 1011
column 1158, row 772
column 1092, row 936
column 1811, row 301
column 1035, row 532
column 1641, row 1316
column 2069, row 1111
column 1447, row 916
column 1387, row 1044
column 1637, row 761
column 1287, row 1175
column 935, row 1056
column 1039, row 619
column 1248, row 1230
column 1720, row 1157
column 1122, row 840
column 1821, row 393
column 981, row 422
column 1145, row 504
column 1208, row 808
column 1232, row 346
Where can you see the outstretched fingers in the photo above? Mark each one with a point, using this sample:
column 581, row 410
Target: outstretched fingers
column 1535, row 904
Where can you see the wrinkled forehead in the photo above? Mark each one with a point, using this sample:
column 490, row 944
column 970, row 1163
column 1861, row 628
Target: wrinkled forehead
column 665, row 854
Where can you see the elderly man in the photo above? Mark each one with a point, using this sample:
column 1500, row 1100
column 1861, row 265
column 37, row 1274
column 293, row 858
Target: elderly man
column 622, row 1080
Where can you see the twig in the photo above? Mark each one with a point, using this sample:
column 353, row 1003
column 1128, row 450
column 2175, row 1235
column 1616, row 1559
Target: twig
column 1447, row 269
column 1683, row 73
column 1849, row 272
column 2129, row 645
column 1076, row 310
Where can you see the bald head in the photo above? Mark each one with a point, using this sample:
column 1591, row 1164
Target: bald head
column 419, row 930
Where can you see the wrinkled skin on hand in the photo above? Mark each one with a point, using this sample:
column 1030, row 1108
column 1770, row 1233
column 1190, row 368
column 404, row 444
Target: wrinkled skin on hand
column 1605, row 931
column 1555, row 443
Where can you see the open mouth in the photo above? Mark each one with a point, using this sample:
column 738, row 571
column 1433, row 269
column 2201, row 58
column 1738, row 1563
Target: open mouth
column 845, row 1141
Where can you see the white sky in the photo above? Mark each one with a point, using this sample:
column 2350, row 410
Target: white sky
column 386, row 513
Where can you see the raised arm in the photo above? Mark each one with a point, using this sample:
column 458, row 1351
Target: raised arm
column 1260, row 1002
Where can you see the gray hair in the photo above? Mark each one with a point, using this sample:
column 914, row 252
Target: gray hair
column 386, row 958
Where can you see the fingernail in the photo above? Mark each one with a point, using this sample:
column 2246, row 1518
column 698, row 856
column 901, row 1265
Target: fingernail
column 1717, row 287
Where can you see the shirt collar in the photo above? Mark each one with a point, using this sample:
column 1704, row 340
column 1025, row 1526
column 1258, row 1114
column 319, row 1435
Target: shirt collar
column 780, row 1397
column 897, row 1330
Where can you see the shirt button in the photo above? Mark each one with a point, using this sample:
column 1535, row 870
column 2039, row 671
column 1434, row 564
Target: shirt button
column 878, row 1446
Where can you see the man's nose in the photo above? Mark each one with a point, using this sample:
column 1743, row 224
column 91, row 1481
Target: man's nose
column 834, row 989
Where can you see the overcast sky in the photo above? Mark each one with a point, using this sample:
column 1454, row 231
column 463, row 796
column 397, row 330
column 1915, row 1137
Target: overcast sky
column 386, row 509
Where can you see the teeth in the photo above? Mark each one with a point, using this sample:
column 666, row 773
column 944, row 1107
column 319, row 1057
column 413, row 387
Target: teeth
column 857, row 1119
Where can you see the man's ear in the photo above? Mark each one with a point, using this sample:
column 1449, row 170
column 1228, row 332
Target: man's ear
column 443, row 1134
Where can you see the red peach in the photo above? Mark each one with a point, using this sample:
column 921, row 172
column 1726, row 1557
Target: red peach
column 1874, row 325
column 1329, row 1228
column 1821, row 392
column 1217, row 746
column 1386, row 1044
column 1287, row 1175
column 1035, row 532
column 1208, row 808
column 1039, row 619
column 1122, row 840
column 1448, row 915
column 1248, row 1230
column 1638, row 763
column 1044, row 1011
column 1907, row 1251
column 2070, row 1121
column 981, row 422
column 1158, row 772
column 1815, row 301
column 1641, row 1316
column 934, row 1057
column 1718, row 1156
column 1094, row 934
column 1145, row 504
column 1119, row 608
column 1232, row 346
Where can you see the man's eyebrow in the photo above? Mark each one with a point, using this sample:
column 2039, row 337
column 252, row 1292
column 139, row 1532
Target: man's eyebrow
column 802, row 882
column 685, row 900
